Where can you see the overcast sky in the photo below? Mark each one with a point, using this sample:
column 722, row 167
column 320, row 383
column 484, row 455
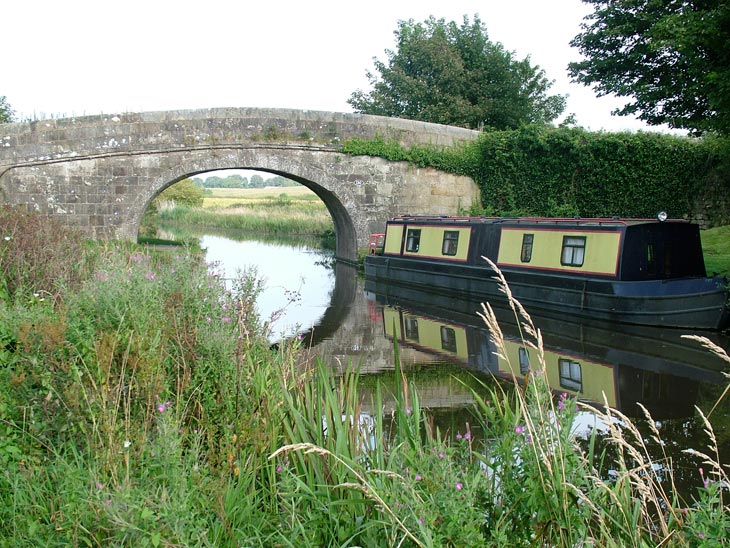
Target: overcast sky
column 79, row 57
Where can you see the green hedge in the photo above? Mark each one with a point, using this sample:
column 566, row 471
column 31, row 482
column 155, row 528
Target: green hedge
column 571, row 171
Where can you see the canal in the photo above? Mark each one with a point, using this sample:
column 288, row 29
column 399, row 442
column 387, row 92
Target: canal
column 446, row 349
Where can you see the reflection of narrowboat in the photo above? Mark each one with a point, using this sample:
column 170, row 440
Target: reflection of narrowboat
column 586, row 362
column 637, row 271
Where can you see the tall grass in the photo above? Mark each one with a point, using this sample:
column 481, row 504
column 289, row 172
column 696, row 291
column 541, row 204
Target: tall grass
column 144, row 407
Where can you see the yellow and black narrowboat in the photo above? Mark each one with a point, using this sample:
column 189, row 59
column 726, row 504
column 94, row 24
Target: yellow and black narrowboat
column 637, row 271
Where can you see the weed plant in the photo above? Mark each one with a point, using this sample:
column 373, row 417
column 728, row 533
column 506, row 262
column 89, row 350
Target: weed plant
column 145, row 407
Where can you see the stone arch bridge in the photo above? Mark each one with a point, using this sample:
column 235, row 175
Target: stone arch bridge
column 99, row 173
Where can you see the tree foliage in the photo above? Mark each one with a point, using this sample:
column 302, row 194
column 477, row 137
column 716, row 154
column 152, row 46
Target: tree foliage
column 6, row 113
column 184, row 192
column 444, row 73
column 670, row 56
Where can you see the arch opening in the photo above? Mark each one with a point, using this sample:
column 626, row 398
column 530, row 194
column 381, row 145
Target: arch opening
column 231, row 190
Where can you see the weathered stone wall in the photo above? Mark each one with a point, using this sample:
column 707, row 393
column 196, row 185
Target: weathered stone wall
column 100, row 173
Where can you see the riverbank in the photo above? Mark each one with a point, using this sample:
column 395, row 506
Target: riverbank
column 141, row 405
column 274, row 210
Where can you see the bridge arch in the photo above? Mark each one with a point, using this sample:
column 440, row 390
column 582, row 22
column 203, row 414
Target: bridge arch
column 100, row 173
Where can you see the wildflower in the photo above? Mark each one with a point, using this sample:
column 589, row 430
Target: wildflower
column 209, row 319
column 420, row 520
column 519, row 429
column 458, row 435
column 409, row 411
column 100, row 486
column 467, row 436
column 150, row 276
column 459, row 486
column 127, row 443
column 7, row 238
column 418, row 477
column 701, row 534
column 561, row 405
column 441, row 454
column 226, row 319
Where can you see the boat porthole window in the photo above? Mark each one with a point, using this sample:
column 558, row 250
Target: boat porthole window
column 524, row 360
column 451, row 242
column 571, row 376
column 574, row 251
column 413, row 242
column 448, row 339
column 526, row 255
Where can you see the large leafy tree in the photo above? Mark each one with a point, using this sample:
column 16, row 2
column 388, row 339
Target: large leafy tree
column 444, row 73
column 6, row 113
column 671, row 57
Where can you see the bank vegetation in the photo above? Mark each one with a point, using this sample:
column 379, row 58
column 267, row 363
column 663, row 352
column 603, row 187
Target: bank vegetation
column 141, row 404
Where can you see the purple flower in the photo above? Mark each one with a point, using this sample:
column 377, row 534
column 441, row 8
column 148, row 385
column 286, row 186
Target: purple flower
column 458, row 435
column 467, row 436
column 418, row 477
column 150, row 276
column 226, row 319
column 519, row 429
column 561, row 405
column 441, row 454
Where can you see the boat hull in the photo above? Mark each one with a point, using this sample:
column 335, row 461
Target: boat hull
column 696, row 303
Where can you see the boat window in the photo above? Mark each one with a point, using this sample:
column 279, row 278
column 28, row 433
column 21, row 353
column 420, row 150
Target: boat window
column 574, row 250
column 524, row 360
column 526, row 255
column 411, row 328
column 413, row 242
column 650, row 259
column 571, row 377
column 451, row 242
column 448, row 339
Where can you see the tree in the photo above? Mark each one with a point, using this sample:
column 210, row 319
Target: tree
column 6, row 113
column 670, row 56
column 447, row 74
column 184, row 192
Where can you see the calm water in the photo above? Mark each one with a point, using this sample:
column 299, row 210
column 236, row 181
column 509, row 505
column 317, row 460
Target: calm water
column 443, row 344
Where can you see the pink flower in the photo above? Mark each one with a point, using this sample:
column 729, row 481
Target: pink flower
column 459, row 486
column 150, row 276
column 418, row 477
column 519, row 429
column 467, row 436
column 226, row 319
column 441, row 454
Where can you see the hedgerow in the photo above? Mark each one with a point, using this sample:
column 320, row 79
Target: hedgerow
column 570, row 171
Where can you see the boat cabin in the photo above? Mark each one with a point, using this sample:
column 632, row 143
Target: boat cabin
column 628, row 250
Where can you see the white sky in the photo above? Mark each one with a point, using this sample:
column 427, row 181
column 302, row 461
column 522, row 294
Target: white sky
column 81, row 57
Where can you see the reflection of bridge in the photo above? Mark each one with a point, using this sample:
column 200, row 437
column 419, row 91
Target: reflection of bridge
column 101, row 172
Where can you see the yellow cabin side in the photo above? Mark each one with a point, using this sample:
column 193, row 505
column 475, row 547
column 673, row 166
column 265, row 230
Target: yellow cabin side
column 545, row 249
column 427, row 241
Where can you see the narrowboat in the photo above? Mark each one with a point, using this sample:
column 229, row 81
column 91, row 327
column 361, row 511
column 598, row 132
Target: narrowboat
column 635, row 271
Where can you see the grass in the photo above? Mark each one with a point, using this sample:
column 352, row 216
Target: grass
column 716, row 247
column 143, row 406
column 285, row 210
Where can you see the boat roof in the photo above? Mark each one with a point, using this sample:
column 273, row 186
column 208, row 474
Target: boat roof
column 582, row 221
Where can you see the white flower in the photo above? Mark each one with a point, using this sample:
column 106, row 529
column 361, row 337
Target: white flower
column 7, row 238
column 127, row 443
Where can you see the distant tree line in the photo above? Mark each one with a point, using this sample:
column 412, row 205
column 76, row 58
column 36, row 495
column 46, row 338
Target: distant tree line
column 239, row 181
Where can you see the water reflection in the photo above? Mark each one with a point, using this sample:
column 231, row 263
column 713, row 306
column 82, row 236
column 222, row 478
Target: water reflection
column 298, row 277
column 593, row 361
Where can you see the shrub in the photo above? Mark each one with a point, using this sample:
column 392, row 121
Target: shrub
column 39, row 258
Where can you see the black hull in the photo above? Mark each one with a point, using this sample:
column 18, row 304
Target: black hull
column 696, row 303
